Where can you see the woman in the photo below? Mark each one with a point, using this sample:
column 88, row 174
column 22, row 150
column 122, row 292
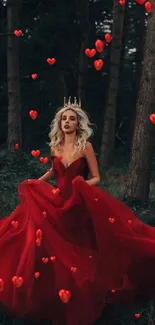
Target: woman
column 67, row 251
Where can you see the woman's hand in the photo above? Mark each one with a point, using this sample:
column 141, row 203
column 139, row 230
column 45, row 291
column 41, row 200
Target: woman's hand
column 33, row 181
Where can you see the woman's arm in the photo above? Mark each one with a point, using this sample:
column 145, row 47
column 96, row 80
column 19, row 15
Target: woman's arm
column 92, row 164
column 47, row 176
column 50, row 173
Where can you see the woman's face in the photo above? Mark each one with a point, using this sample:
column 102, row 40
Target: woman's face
column 69, row 121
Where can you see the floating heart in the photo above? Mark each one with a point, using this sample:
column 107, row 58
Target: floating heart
column 108, row 38
column 45, row 260
column 90, row 256
column 39, row 234
column 73, row 269
column 90, row 52
column 64, row 295
column 53, row 258
column 16, row 146
column 122, row 2
column 34, row 76
column 15, row 224
column 43, row 160
column 98, row 64
column 112, row 220
column 140, row 2
column 18, row 32
column 37, row 275
column 113, row 290
column 35, row 153
column 152, row 118
column 51, row 61
column 99, row 44
column 1, row 284
column 33, row 114
column 96, row 199
column 130, row 222
column 17, row 281
column 44, row 214
column 149, row 6
column 137, row 315
column 55, row 191
column 38, row 242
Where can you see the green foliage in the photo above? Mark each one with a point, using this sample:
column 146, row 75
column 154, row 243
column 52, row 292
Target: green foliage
column 16, row 167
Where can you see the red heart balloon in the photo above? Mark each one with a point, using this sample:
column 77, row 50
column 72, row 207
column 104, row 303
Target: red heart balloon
column 43, row 160
column 15, row 224
column 99, row 45
column 51, row 61
column 64, row 295
column 140, row 2
column 37, row 275
column 98, row 64
column 112, row 220
column 34, row 76
column 149, row 6
column 45, row 260
column 113, row 290
column 1, row 284
column 35, row 153
column 152, row 118
column 53, row 258
column 17, row 281
column 60, row 157
column 122, row 2
column 38, row 242
column 33, row 114
column 73, row 269
column 90, row 52
column 108, row 37
column 137, row 315
column 44, row 214
column 16, row 146
column 18, row 32
column 55, row 191
column 39, row 233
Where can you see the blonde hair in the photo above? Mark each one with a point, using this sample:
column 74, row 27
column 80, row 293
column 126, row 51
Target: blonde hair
column 84, row 130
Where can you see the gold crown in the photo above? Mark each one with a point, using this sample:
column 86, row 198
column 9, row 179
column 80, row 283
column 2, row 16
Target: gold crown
column 72, row 104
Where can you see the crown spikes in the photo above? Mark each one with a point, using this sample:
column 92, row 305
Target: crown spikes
column 74, row 104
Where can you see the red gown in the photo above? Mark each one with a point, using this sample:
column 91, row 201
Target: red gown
column 92, row 245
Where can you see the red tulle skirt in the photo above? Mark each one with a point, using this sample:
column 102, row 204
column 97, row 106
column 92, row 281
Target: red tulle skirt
column 91, row 246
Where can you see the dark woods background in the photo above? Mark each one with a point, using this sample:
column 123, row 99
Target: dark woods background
column 119, row 100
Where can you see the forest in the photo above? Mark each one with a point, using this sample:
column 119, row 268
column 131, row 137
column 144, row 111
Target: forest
column 103, row 52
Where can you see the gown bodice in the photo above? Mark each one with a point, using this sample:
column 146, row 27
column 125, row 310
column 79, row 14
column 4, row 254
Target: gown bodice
column 65, row 175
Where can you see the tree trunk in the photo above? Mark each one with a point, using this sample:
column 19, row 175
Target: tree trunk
column 83, row 60
column 108, row 136
column 138, row 178
column 14, row 106
column 140, row 31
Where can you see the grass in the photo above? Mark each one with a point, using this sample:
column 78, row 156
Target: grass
column 15, row 168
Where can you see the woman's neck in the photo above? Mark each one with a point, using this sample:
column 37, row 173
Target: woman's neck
column 69, row 139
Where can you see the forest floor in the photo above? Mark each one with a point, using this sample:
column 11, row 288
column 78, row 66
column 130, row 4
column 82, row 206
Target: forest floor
column 15, row 168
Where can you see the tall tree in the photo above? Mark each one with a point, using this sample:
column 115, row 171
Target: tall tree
column 108, row 136
column 13, row 76
column 138, row 178
column 83, row 64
